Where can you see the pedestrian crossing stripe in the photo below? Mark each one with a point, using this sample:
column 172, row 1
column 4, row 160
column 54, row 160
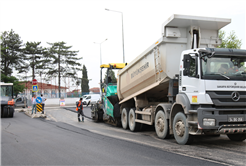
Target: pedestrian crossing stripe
column 39, row 107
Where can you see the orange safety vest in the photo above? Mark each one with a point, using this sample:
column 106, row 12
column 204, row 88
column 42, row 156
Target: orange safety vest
column 78, row 106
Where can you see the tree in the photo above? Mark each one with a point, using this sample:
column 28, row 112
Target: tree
column 12, row 56
column 18, row 87
column 36, row 56
column 63, row 62
column 112, row 75
column 230, row 41
column 85, row 81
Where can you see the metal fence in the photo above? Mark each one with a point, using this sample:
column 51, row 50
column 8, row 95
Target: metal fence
column 56, row 95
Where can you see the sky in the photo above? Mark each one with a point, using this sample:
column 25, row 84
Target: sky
column 82, row 23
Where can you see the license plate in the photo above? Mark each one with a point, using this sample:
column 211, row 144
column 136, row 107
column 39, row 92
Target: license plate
column 235, row 119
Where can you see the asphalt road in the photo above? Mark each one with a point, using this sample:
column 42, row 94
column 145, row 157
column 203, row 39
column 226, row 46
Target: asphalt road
column 218, row 149
column 27, row 141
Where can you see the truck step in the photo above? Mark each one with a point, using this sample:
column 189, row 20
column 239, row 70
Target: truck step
column 193, row 122
column 193, row 111
column 143, row 113
column 143, row 121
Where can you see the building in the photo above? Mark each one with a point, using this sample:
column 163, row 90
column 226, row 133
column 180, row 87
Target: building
column 48, row 90
column 95, row 90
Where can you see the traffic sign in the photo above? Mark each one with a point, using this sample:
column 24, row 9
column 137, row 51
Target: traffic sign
column 39, row 107
column 34, row 82
column 62, row 102
column 39, row 100
column 35, row 88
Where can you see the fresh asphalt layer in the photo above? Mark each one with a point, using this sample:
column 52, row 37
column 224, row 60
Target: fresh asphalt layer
column 27, row 141
column 209, row 148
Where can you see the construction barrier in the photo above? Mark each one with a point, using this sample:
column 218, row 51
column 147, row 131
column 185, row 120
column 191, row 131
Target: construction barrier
column 39, row 107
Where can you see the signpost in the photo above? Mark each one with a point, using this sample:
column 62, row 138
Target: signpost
column 34, row 88
column 34, row 82
column 39, row 100
column 34, row 85
column 39, row 105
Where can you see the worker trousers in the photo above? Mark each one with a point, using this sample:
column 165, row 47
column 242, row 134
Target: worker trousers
column 81, row 113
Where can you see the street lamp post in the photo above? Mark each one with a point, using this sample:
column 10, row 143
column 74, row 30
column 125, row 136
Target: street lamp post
column 122, row 32
column 100, row 50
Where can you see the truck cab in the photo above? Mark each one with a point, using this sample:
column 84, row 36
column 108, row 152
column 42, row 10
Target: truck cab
column 213, row 81
column 7, row 101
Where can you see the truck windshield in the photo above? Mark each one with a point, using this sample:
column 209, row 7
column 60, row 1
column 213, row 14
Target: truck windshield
column 224, row 67
column 6, row 90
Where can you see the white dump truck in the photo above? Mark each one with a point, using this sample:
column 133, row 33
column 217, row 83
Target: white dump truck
column 184, row 85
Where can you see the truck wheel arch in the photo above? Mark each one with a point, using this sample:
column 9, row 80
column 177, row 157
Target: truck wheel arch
column 183, row 100
column 165, row 107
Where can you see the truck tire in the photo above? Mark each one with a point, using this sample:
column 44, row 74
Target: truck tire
column 180, row 129
column 124, row 118
column 236, row 137
column 5, row 113
column 1, row 112
column 133, row 126
column 11, row 113
column 96, row 117
column 161, row 125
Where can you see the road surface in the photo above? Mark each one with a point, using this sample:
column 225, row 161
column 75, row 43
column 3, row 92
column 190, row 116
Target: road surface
column 61, row 140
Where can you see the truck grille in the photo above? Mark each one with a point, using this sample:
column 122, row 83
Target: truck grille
column 224, row 98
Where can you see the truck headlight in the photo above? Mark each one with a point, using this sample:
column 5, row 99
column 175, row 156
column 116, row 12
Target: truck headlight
column 208, row 122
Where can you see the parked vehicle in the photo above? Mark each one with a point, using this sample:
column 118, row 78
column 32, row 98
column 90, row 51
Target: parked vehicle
column 183, row 84
column 21, row 102
column 7, row 101
column 91, row 98
column 84, row 96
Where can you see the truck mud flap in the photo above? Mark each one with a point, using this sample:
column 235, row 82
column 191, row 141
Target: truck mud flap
column 117, row 110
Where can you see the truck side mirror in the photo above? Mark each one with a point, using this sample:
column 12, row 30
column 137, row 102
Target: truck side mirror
column 186, row 64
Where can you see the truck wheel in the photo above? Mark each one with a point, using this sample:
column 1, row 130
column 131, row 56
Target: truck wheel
column 180, row 130
column 1, row 113
column 96, row 117
column 100, row 115
column 5, row 112
column 161, row 125
column 124, row 118
column 134, row 126
column 118, row 122
column 11, row 113
column 236, row 137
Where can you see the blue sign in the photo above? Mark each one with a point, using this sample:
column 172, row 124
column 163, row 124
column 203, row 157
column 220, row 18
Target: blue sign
column 34, row 88
column 39, row 100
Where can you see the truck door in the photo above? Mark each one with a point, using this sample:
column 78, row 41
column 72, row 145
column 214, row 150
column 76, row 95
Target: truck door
column 18, row 102
column 190, row 77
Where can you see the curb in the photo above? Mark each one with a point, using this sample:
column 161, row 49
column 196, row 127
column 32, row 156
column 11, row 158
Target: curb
column 28, row 111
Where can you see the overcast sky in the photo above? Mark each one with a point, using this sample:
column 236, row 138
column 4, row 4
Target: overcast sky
column 80, row 23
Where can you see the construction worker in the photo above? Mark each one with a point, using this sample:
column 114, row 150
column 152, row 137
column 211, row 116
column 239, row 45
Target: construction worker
column 43, row 102
column 80, row 110
column 34, row 104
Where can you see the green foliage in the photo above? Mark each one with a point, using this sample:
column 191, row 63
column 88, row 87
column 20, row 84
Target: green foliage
column 36, row 56
column 85, row 81
column 112, row 75
column 231, row 41
column 63, row 61
column 18, row 87
column 12, row 56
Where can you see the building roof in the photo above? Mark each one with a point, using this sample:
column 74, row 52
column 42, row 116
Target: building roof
column 28, row 85
column 95, row 90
